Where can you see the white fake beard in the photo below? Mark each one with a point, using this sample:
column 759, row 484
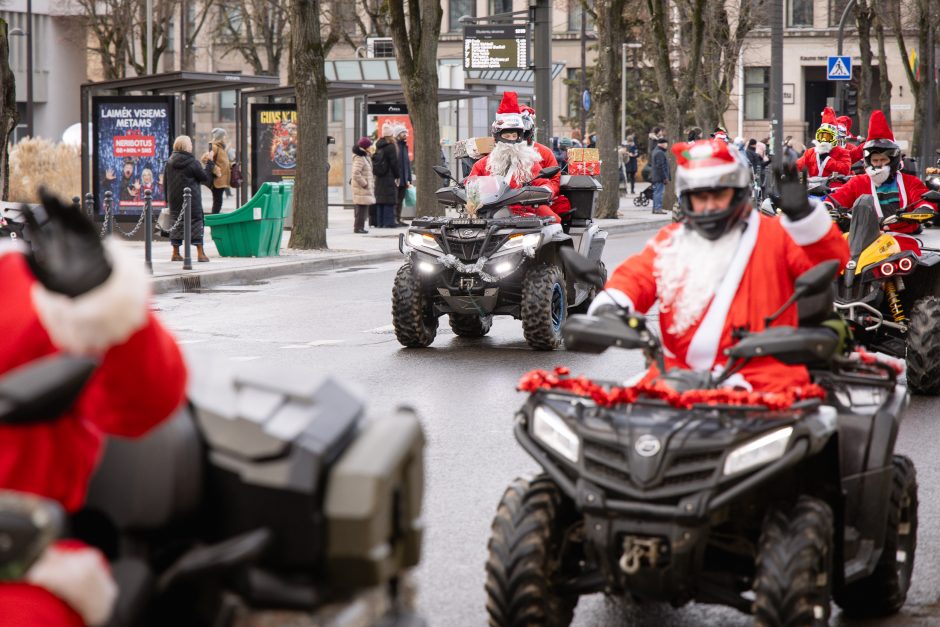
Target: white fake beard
column 823, row 148
column 878, row 175
column 688, row 269
column 514, row 159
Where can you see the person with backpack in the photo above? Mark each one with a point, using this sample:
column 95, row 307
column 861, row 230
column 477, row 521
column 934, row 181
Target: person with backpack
column 387, row 172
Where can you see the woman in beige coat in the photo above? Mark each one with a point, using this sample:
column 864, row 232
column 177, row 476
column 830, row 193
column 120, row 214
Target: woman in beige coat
column 363, row 183
column 221, row 177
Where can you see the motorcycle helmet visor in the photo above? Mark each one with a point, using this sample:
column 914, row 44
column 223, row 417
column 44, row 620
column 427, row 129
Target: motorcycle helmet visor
column 508, row 122
column 826, row 135
column 885, row 147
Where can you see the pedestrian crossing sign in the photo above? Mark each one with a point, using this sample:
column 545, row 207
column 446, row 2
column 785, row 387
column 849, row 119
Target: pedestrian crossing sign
column 839, row 68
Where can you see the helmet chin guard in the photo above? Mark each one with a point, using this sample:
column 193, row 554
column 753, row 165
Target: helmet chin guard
column 714, row 224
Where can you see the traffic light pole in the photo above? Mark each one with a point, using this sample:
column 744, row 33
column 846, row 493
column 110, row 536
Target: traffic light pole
column 845, row 14
column 776, row 78
column 542, row 18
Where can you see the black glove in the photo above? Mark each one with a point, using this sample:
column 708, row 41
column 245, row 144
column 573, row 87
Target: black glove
column 792, row 199
column 67, row 255
column 609, row 309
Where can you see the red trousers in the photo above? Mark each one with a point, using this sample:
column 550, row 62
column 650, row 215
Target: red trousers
column 542, row 211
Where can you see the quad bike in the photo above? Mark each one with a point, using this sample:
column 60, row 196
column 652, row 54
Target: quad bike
column 817, row 189
column 773, row 511
column 889, row 294
column 264, row 499
column 495, row 263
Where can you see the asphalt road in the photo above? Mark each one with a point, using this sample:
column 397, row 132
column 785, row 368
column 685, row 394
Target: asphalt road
column 339, row 324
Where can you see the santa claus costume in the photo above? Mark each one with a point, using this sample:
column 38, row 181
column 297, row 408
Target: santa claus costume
column 826, row 159
column 139, row 382
column 517, row 161
column 717, row 272
column 892, row 189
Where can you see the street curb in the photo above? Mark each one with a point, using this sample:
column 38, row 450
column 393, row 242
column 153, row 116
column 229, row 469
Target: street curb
column 234, row 276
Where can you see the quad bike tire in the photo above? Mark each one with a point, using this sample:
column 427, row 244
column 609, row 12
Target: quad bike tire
column 884, row 591
column 544, row 306
column 793, row 580
column 923, row 347
column 524, row 558
column 470, row 325
column 583, row 307
column 414, row 328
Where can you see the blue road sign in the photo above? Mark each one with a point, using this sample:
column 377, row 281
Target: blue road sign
column 586, row 100
column 839, row 68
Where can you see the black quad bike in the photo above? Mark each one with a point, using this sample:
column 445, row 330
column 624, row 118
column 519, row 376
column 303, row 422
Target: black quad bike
column 772, row 512
column 890, row 294
column 495, row 263
column 266, row 500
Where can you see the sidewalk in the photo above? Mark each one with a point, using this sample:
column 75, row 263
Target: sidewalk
column 346, row 249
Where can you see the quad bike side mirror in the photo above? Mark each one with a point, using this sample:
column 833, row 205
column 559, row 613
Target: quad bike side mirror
column 931, row 196
column 44, row 389
column 442, row 172
column 582, row 268
column 547, row 173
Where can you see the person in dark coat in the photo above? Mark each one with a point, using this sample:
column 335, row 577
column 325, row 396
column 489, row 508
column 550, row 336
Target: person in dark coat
column 387, row 171
column 660, row 173
column 404, row 163
column 184, row 170
column 629, row 154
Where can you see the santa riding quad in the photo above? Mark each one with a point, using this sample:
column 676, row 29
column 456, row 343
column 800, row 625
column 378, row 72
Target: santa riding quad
column 889, row 290
column 500, row 256
column 678, row 490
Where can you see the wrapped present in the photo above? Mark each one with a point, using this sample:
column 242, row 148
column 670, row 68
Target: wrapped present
column 579, row 155
column 589, row 168
column 474, row 147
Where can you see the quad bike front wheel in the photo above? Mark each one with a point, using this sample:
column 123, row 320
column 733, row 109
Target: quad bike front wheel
column 793, row 580
column 544, row 306
column 885, row 590
column 414, row 326
column 470, row 325
column 524, row 558
column 923, row 347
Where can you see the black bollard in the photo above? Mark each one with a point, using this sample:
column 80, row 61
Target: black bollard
column 187, row 228
column 77, row 202
column 108, row 212
column 148, row 229
column 90, row 205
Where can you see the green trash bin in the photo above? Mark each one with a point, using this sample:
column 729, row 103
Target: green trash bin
column 254, row 229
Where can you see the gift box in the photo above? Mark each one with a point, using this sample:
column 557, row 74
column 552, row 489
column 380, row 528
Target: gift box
column 474, row 147
column 589, row 168
column 579, row 155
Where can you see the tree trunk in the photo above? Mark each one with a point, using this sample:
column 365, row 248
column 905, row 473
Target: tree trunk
column 863, row 19
column 605, row 91
column 7, row 109
column 415, row 34
column 884, row 81
column 310, row 188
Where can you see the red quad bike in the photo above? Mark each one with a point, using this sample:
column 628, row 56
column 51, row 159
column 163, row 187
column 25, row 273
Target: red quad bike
column 681, row 491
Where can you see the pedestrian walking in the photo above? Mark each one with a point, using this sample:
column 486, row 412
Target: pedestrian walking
column 660, row 173
column 695, row 133
column 183, row 171
column 363, row 183
column 629, row 155
column 655, row 134
column 385, row 169
column 222, row 172
column 405, row 179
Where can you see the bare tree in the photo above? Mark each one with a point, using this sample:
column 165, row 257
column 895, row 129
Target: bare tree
column 314, row 32
column 258, row 30
column 864, row 17
column 163, row 11
column 918, row 18
column 195, row 21
column 110, row 26
column 415, row 28
column 884, row 80
column 7, row 109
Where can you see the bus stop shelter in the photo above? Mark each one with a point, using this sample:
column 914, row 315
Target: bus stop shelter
column 184, row 86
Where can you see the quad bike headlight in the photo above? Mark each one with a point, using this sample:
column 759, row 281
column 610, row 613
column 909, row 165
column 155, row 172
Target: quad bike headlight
column 551, row 430
column 422, row 240
column 529, row 240
column 763, row 450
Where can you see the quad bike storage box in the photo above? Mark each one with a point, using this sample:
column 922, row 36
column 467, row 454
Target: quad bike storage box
column 581, row 191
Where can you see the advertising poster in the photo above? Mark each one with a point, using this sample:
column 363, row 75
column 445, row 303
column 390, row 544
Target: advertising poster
column 273, row 143
column 132, row 141
column 379, row 114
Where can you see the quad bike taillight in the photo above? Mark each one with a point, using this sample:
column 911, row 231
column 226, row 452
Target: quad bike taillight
column 886, row 269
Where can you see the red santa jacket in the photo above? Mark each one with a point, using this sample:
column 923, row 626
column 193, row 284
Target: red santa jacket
column 910, row 189
column 140, row 381
column 548, row 160
column 772, row 253
column 837, row 162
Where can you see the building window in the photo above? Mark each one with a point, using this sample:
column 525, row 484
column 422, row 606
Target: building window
column 836, row 7
column 757, row 93
column 800, row 13
column 458, row 8
column 500, row 6
column 227, row 105
column 575, row 11
column 337, row 108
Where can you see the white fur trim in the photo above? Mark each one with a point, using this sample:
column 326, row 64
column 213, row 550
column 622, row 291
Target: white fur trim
column 79, row 577
column 810, row 229
column 9, row 245
column 103, row 317
column 611, row 296
column 704, row 345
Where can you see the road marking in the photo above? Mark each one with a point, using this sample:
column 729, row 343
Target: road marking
column 325, row 342
column 190, row 341
column 245, row 358
column 388, row 328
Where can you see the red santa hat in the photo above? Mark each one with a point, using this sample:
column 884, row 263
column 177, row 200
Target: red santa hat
column 878, row 127
column 708, row 164
column 508, row 114
column 509, row 104
column 845, row 122
column 829, row 116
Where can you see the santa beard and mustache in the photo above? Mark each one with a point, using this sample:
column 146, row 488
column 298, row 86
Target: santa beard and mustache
column 516, row 160
column 688, row 269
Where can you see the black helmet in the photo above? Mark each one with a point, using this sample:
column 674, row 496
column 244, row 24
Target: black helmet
column 710, row 165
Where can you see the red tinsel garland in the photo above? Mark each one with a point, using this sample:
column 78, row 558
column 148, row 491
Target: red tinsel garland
column 607, row 397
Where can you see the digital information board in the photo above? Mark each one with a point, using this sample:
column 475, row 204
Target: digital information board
column 496, row 47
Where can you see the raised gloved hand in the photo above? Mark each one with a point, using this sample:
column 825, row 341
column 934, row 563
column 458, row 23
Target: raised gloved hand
column 792, row 198
column 67, row 255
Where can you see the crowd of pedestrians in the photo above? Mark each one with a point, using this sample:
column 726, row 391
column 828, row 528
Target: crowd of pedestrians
column 381, row 179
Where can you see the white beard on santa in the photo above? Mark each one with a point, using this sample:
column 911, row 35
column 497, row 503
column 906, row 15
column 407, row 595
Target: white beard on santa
column 688, row 270
column 515, row 160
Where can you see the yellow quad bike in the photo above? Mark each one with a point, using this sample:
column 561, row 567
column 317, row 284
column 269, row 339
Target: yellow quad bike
column 889, row 295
